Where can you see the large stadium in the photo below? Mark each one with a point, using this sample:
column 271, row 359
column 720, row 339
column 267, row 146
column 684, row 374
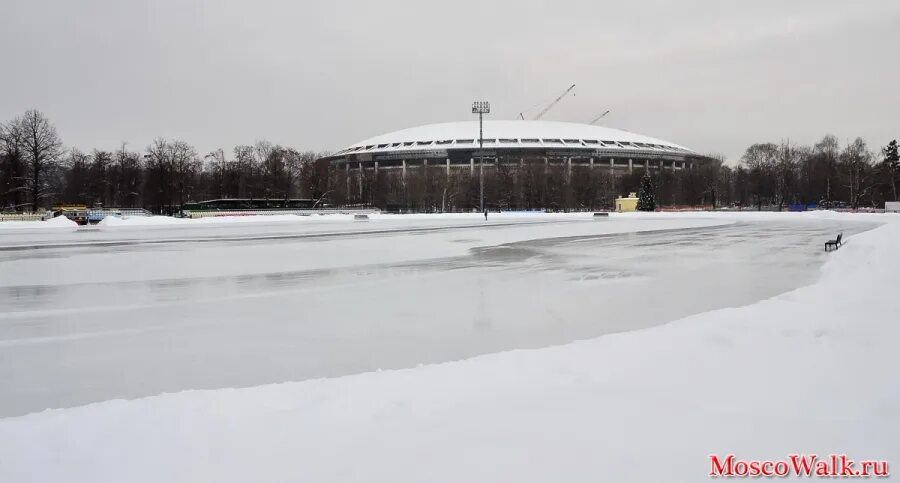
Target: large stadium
column 456, row 145
column 379, row 170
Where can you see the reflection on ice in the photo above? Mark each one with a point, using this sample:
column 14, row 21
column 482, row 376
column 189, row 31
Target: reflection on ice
column 97, row 323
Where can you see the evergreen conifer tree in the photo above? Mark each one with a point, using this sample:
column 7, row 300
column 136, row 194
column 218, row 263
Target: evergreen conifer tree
column 646, row 198
column 891, row 152
column 891, row 165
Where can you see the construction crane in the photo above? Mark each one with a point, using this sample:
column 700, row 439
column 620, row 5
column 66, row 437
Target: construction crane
column 555, row 101
column 601, row 116
column 546, row 109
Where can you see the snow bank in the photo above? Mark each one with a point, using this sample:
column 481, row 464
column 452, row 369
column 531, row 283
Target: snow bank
column 331, row 217
column 412, row 218
column 57, row 222
column 171, row 221
column 810, row 371
column 113, row 220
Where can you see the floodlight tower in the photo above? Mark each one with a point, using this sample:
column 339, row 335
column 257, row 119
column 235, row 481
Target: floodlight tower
column 481, row 108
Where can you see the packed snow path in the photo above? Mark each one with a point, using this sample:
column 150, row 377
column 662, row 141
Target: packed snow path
column 128, row 312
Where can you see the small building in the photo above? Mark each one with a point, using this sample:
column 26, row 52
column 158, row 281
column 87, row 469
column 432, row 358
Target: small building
column 626, row 204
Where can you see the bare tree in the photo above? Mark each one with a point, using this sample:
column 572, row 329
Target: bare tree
column 312, row 175
column 760, row 162
column 245, row 164
column 185, row 166
column 826, row 151
column 101, row 182
column 215, row 162
column 13, row 179
column 856, row 161
column 127, row 180
column 157, row 166
column 78, row 177
column 42, row 150
column 785, row 170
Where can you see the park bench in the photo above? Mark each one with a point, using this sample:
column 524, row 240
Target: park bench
column 836, row 243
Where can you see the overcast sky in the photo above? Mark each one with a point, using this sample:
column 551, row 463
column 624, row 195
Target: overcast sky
column 715, row 76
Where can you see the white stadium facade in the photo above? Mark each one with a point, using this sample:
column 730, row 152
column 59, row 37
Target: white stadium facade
column 455, row 145
column 526, row 165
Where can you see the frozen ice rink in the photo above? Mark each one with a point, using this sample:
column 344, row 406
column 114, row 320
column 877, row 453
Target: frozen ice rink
column 132, row 311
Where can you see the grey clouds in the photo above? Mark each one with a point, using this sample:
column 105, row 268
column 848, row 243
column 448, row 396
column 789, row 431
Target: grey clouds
column 715, row 76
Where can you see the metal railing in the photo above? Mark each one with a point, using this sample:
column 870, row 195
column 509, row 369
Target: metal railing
column 25, row 216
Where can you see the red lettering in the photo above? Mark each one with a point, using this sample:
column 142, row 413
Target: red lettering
column 782, row 468
column 865, row 468
column 802, row 465
column 754, row 468
column 847, row 467
column 719, row 469
column 836, row 465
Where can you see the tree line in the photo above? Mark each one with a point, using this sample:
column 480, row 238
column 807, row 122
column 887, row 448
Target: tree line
column 770, row 176
column 37, row 171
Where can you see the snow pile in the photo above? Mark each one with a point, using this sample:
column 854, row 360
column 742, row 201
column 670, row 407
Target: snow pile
column 60, row 221
column 409, row 218
column 211, row 220
column 154, row 220
column 333, row 217
column 810, row 371
column 57, row 222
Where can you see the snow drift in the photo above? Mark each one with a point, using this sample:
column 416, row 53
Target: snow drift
column 56, row 222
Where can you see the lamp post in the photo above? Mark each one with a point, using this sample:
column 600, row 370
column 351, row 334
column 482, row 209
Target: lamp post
column 481, row 108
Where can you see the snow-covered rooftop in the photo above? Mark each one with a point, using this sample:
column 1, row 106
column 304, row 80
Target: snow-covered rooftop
column 510, row 134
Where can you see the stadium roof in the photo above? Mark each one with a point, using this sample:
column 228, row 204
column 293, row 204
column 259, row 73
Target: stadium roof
column 510, row 134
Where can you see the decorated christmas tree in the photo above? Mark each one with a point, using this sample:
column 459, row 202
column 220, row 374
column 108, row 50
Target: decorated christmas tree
column 646, row 199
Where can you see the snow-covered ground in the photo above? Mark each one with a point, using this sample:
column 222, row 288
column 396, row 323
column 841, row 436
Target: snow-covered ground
column 810, row 370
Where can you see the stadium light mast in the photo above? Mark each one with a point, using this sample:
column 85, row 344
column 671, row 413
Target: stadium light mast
column 481, row 108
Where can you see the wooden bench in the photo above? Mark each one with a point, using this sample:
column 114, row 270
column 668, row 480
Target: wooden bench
column 836, row 243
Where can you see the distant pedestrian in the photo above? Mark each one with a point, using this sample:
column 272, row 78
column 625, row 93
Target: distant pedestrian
column 485, row 215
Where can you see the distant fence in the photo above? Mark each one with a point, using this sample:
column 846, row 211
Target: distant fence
column 323, row 211
column 25, row 216
column 858, row 210
column 769, row 208
column 686, row 208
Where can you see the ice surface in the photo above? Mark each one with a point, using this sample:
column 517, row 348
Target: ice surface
column 812, row 370
column 134, row 312
column 84, row 322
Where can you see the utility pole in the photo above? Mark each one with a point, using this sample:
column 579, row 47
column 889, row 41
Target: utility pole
column 481, row 108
